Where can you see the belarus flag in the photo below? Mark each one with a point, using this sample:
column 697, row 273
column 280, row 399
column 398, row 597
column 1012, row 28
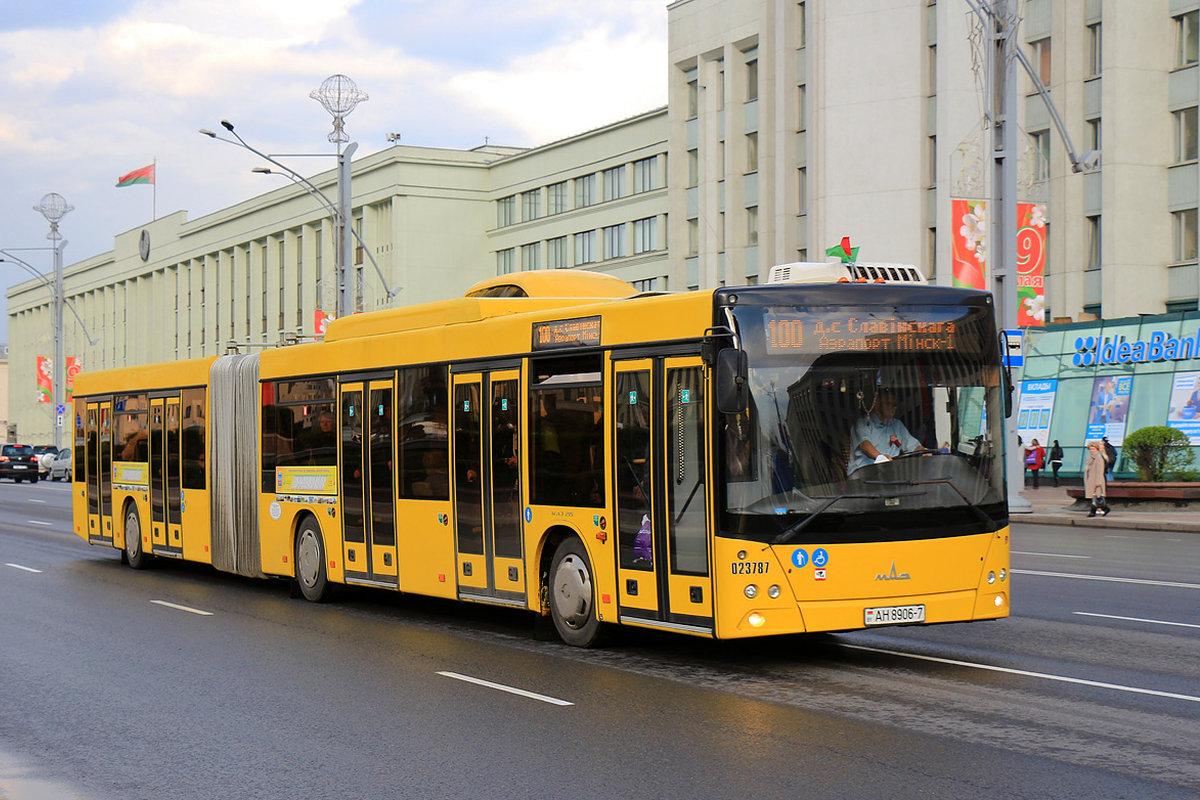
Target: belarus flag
column 143, row 175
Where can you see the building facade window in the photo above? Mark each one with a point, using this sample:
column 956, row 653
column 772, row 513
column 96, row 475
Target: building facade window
column 1095, row 51
column 1187, row 38
column 506, row 211
column 504, row 261
column 693, row 98
column 556, row 198
column 556, row 253
column 1041, row 147
column 1183, row 227
column 751, row 80
column 646, row 284
column 531, row 205
column 1185, row 120
column 644, row 234
column 1093, row 134
column 1094, row 254
column 801, row 30
column 614, row 183
column 585, row 190
column 693, row 163
column 931, row 76
column 801, row 108
column 693, row 236
column 1041, row 59
column 931, row 161
column 585, row 247
column 802, row 190
column 751, row 152
column 531, row 256
column 614, row 241
column 752, row 226
column 645, row 174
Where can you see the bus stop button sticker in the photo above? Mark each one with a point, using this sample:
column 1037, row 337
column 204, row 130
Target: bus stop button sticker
column 799, row 557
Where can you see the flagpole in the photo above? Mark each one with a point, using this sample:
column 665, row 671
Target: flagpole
column 154, row 195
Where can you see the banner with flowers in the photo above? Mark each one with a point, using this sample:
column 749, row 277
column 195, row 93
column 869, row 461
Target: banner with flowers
column 970, row 252
column 45, row 378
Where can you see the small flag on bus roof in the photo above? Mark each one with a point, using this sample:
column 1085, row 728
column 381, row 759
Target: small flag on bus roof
column 143, row 175
column 848, row 254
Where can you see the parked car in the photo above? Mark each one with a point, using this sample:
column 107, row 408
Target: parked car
column 19, row 462
column 45, row 454
column 60, row 467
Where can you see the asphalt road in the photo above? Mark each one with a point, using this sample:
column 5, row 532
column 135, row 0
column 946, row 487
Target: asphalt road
column 235, row 690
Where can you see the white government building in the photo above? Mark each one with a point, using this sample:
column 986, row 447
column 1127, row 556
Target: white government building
column 788, row 125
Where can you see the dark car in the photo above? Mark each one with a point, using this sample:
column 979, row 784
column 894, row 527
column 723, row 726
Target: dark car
column 19, row 462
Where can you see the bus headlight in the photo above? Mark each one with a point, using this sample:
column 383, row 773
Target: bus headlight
column 756, row 620
column 999, row 601
column 773, row 592
column 752, row 591
column 991, row 577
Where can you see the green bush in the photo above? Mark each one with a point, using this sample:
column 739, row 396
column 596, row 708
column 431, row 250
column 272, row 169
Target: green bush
column 1160, row 451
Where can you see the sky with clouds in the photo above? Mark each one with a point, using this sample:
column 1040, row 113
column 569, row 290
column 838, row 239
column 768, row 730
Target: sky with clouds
column 94, row 89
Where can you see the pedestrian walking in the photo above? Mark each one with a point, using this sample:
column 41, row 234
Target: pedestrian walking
column 1110, row 457
column 1093, row 479
column 1056, row 459
column 1035, row 459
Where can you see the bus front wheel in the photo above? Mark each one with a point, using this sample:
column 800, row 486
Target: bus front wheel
column 573, row 596
column 310, row 563
column 135, row 555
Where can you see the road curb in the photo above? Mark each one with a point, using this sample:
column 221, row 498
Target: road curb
column 1121, row 521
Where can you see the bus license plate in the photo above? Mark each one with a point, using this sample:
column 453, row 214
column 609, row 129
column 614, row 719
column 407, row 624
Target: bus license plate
column 893, row 615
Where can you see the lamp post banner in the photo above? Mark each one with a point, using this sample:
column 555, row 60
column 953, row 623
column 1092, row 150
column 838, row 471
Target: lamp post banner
column 45, row 378
column 970, row 253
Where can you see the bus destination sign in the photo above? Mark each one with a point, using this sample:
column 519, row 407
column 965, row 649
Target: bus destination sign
column 826, row 333
column 579, row 332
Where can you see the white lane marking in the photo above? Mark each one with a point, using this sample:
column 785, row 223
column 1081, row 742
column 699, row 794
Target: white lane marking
column 182, row 608
column 35, row 500
column 510, row 689
column 1046, row 555
column 1143, row 582
column 1137, row 619
column 18, row 566
column 38, row 522
column 1028, row 674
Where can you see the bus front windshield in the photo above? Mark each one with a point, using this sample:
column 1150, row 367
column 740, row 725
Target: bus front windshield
column 865, row 424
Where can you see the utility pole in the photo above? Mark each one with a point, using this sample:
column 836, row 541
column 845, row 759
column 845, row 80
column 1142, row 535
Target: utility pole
column 53, row 207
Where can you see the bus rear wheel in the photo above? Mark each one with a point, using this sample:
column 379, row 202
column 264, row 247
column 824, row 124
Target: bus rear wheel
column 135, row 555
column 310, row 563
column 573, row 595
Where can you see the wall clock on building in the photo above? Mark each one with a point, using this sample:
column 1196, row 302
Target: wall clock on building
column 144, row 245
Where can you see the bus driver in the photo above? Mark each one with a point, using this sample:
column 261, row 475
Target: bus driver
column 879, row 434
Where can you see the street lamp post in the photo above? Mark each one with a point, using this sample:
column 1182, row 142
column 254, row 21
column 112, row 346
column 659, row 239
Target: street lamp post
column 53, row 207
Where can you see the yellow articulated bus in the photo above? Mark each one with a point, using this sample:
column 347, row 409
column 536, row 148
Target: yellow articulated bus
column 698, row 462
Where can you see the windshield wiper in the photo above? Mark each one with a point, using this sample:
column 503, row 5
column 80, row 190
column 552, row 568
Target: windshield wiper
column 979, row 513
column 791, row 532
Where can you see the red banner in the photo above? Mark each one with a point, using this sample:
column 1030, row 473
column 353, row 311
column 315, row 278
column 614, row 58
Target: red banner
column 970, row 252
column 45, row 378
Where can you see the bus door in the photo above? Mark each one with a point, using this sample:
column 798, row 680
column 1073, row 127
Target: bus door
column 97, row 465
column 367, row 459
column 165, row 534
column 661, row 465
column 487, row 491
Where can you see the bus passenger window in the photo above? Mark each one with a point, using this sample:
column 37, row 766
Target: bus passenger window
column 423, row 439
column 567, row 460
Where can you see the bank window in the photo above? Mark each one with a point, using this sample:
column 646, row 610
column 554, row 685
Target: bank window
column 1185, row 120
column 614, row 183
column 1187, row 38
column 506, row 211
column 585, row 190
column 1184, row 229
column 585, row 247
column 1094, row 251
column 556, row 198
column 531, row 203
column 504, row 261
column 1095, row 52
column 1041, row 59
column 556, row 252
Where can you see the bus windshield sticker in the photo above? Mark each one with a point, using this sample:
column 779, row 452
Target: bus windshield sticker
column 580, row 332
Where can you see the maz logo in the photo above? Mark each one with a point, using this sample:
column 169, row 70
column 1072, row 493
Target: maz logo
column 893, row 575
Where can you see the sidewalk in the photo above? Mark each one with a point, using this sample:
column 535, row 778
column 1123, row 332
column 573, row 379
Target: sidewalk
column 1053, row 507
